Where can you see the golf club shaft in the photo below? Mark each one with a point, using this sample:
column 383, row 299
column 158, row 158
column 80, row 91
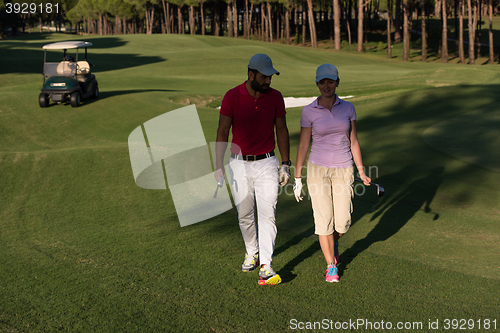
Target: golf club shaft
column 359, row 180
column 380, row 189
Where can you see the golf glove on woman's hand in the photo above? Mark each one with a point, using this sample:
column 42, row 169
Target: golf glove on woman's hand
column 297, row 189
column 284, row 174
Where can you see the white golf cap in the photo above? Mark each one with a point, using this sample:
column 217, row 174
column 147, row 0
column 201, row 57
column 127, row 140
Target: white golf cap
column 262, row 63
column 326, row 71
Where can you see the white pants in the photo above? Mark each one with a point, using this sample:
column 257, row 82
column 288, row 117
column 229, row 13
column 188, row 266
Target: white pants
column 256, row 183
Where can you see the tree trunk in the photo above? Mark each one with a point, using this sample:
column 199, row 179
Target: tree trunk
column 235, row 19
column 461, row 53
column 280, row 25
column 406, row 32
column 492, row 50
column 104, row 24
column 424, row 33
column 217, row 19
column 369, row 8
column 202, row 19
column 471, row 33
column 287, row 25
column 304, row 24
column 330, row 25
column 474, row 23
column 166, row 12
column 336, row 24
column 437, row 8
column 278, row 12
column 192, row 27
column 229, row 20
column 389, row 18
column 149, row 20
column 250, row 18
column 118, row 25
column 294, row 22
column 457, row 28
column 397, row 22
column 360, row 25
column 444, row 39
column 246, row 23
column 368, row 16
column 348, row 24
column 180, row 23
column 172, row 19
column 477, row 27
column 263, row 23
column 99, row 25
column 270, row 22
column 166, row 16
column 312, row 24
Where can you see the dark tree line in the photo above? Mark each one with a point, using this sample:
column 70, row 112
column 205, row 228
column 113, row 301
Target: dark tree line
column 274, row 21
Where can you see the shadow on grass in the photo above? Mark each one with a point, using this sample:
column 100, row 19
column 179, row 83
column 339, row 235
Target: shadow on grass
column 17, row 59
column 286, row 272
column 396, row 211
column 108, row 94
column 115, row 93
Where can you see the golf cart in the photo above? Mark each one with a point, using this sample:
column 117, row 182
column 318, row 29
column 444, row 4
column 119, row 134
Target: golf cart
column 69, row 79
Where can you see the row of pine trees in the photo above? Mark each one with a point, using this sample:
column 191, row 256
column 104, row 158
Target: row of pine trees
column 302, row 21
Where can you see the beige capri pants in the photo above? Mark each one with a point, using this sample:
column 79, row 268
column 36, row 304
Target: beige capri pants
column 331, row 191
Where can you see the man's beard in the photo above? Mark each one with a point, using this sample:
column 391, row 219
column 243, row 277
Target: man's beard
column 256, row 86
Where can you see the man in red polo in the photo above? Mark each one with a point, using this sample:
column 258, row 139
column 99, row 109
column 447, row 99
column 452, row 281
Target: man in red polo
column 253, row 110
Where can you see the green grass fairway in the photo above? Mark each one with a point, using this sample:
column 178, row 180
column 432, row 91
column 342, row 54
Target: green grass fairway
column 481, row 126
column 84, row 249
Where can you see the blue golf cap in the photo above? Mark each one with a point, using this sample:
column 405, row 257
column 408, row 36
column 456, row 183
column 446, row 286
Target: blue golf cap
column 326, row 71
column 262, row 63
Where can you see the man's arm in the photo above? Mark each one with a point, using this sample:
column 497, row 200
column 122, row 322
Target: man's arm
column 283, row 138
column 284, row 147
column 225, row 123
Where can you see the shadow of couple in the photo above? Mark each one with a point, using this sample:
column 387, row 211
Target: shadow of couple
column 398, row 206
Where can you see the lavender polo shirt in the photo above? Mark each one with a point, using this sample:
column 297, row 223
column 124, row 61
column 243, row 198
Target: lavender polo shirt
column 331, row 144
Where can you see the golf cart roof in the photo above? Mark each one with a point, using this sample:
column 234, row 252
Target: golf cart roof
column 66, row 45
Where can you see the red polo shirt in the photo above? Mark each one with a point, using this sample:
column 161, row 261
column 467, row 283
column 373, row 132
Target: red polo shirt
column 253, row 119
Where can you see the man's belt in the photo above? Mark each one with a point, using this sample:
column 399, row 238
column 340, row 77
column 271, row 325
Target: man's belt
column 251, row 158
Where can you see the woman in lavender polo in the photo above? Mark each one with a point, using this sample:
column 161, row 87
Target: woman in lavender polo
column 331, row 122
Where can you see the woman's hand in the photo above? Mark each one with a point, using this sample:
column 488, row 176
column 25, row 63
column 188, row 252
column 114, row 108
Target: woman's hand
column 366, row 180
column 297, row 189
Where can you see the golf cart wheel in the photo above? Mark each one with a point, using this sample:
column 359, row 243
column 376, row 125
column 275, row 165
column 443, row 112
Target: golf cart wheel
column 43, row 100
column 75, row 99
column 96, row 91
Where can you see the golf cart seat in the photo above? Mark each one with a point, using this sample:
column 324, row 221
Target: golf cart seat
column 66, row 68
column 82, row 70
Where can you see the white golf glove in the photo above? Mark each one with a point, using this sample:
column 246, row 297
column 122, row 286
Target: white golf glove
column 284, row 174
column 297, row 189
